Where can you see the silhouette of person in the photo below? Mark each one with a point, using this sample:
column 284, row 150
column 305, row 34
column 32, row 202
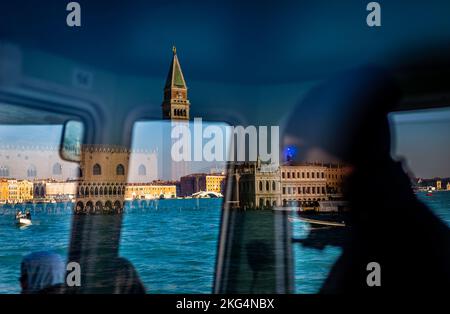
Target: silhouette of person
column 346, row 117
column 126, row 278
column 117, row 277
column 41, row 271
column 259, row 258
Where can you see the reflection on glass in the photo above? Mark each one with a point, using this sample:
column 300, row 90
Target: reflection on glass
column 71, row 141
column 37, row 194
column 173, row 210
column 426, row 164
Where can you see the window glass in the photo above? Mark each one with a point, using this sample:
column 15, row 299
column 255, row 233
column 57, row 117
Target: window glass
column 420, row 142
column 37, row 191
column 172, row 211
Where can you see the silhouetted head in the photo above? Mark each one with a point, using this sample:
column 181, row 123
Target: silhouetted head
column 40, row 270
column 346, row 116
column 126, row 278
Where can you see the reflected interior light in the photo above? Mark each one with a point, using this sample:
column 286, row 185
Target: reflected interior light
column 289, row 153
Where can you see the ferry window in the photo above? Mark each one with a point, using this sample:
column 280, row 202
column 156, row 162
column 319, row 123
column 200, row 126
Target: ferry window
column 427, row 164
column 429, row 171
column 36, row 182
column 172, row 210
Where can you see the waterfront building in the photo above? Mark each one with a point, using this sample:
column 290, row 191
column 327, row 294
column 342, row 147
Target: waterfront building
column 149, row 191
column 39, row 188
column 256, row 185
column 104, row 171
column 448, row 186
column 215, row 183
column 12, row 190
column 303, row 183
column 261, row 186
column 432, row 184
column 25, row 190
column 201, row 182
column 103, row 177
column 335, row 175
column 61, row 190
column 4, row 191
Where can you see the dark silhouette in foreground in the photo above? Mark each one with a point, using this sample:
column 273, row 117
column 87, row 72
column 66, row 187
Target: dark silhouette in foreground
column 127, row 280
column 40, row 271
column 347, row 117
column 44, row 273
column 259, row 258
column 117, row 277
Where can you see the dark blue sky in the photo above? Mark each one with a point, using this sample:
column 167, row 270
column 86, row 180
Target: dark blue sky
column 233, row 41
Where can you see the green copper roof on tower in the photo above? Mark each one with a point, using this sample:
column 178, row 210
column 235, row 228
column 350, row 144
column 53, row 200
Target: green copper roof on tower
column 175, row 76
column 175, row 105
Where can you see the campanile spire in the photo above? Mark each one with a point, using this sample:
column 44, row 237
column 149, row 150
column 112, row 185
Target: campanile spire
column 175, row 105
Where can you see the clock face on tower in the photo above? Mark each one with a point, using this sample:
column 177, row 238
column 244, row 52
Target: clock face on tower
column 179, row 95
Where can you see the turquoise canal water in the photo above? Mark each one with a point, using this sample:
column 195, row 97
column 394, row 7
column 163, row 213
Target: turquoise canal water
column 172, row 244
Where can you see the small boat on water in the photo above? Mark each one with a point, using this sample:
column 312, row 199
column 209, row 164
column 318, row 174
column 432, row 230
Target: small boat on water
column 23, row 222
column 318, row 222
column 288, row 209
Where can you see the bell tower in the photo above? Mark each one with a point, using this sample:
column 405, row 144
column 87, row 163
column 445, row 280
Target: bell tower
column 175, row 105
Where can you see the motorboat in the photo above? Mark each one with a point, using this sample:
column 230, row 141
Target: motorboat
column 23, row 219
column 318, row 222
column 23, row 222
